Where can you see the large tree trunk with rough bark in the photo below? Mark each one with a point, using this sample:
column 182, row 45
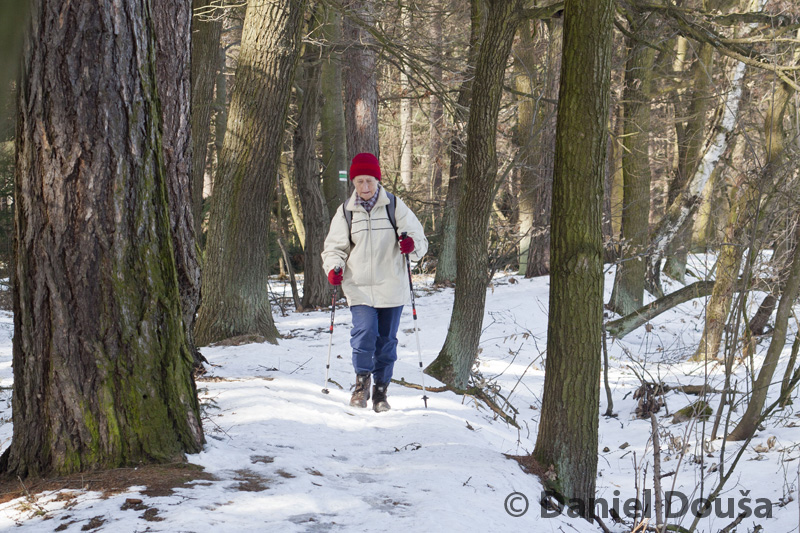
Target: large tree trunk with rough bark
column 455, row 360
column 99, row 340
column 206, row 32
column 236, row 271
column 568, row 429
column 360, row 80
column 628, row 291
column 306, row 168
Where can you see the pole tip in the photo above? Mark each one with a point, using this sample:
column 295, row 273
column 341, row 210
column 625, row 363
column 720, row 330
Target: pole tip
column 325, row 391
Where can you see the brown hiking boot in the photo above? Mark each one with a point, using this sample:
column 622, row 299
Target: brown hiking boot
column 361, row 392
column 379, row 403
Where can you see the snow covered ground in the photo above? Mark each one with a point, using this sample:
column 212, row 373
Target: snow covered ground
column 282, row 456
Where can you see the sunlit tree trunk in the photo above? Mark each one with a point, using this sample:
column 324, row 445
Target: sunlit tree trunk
column 236, row 270
column 102, row 363
column 568, row 427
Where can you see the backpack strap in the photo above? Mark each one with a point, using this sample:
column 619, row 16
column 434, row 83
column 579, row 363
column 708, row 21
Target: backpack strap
column 390, row 212
column 348, row 217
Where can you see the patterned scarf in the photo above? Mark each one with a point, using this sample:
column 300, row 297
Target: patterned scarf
column 369, row 204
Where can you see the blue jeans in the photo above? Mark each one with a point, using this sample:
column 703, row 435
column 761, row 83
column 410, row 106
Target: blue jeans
column 374, row 340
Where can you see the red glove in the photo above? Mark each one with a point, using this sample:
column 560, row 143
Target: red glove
column 335, row 278
column 406, row 245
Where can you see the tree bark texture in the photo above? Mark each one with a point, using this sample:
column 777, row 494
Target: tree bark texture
column 102, row 366
column 206, row 32
column 360, row 80
column 236, row 271
column 628, row 292
column 455, row 360
column 315, row 212
column 568, row 426
column 446, row 268
column 172, row 23
column 332, row 124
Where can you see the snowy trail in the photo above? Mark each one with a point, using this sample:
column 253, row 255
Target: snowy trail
column 283, row 456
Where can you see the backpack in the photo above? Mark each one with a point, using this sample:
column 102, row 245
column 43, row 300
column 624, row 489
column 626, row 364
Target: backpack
column 390, row 211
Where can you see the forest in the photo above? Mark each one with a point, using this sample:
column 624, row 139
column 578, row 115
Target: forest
column 163, row 165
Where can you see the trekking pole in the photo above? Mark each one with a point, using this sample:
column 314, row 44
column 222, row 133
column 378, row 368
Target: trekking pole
column 416, row 329
column 330, row 341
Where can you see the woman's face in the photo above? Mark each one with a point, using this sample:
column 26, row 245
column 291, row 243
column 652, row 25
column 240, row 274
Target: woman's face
column 366, row 186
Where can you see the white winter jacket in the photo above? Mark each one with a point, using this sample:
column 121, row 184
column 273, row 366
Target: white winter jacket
column 374, row 270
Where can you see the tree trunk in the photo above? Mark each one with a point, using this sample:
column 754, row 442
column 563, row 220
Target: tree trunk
column 628, row 291
column 98, row 335
column 568, row 430
column 288, row 186
column 172, row 25
column 360, row 80
column 332, row 125
column 455, row 360
column 446, row 268
column 236, row 272
column 206, row 32
column 315, row 212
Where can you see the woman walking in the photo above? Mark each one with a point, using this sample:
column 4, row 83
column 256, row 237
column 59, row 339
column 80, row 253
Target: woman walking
column 367, row 239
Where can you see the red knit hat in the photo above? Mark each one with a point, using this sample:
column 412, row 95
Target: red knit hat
column 365, row 163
